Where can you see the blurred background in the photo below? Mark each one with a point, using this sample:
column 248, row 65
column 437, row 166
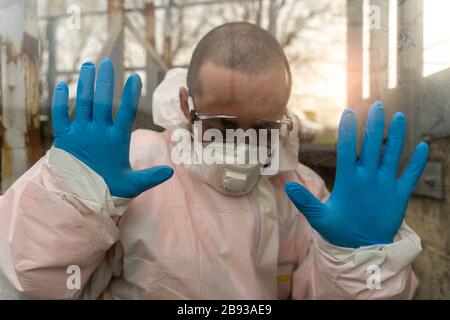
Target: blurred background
column 342, row 53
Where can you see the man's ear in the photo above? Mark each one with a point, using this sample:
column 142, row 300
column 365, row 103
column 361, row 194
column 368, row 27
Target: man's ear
column 184, row 96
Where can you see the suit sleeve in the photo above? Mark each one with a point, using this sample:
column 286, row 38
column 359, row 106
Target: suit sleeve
column 325, row 271
column 58, row 231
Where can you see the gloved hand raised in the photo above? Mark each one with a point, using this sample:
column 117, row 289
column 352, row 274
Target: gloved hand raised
column 95, row 139
column 368, row 202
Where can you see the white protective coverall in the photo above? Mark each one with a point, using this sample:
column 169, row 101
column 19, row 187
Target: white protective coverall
column 182, row 239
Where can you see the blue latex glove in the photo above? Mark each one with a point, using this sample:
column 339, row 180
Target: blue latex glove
column 95, row 139
column 368, row 202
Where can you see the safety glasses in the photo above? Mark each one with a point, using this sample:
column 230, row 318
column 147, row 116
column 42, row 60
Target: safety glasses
column 236, row 129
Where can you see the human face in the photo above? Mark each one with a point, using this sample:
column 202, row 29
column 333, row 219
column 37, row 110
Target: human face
column 233, row 100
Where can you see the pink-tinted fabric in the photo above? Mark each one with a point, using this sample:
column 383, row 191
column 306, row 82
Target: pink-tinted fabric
column 180, row 240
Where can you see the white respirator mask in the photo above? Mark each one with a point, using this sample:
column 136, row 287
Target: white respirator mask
column 228, row 168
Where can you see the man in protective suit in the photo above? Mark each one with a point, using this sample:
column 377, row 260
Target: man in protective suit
column 211, row 231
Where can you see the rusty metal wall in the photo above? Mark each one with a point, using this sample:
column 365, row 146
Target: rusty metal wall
column 21, row 141
column 430, row 218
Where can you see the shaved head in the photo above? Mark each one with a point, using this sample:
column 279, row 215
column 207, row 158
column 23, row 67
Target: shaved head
column 241, row 47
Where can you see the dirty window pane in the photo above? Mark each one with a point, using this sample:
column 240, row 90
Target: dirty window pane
column 436, row 36
column 341, row 54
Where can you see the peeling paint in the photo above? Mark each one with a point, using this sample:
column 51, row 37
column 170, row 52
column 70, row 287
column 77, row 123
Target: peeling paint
column 30, row 48
column 21, row 136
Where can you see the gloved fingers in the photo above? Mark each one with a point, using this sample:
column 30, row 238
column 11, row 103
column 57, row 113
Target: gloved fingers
column 373, row 137
column 394, row 146
column 128, row 106
column 104, row 93
column 413, row 171
column 305, row 202
column 346, row 147
column 85, row 93
column 151, row 177
column 60, row 113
